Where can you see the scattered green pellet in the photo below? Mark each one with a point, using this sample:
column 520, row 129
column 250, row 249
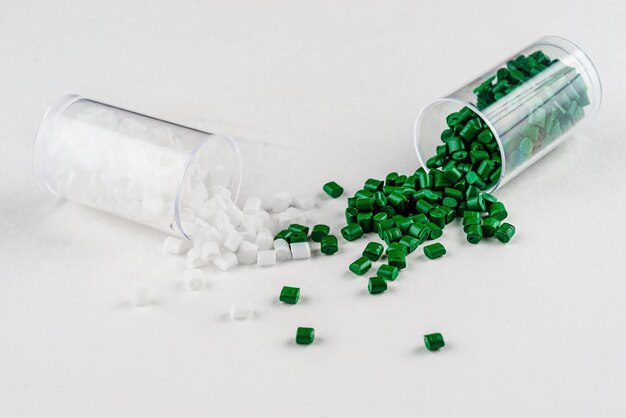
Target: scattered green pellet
column 319, row 232
column 329, row 245
column 352, row 232
column 297, row 237
column 360, row 266
column 376, row 285
column 505, row 232
column 435, row 250
column 373, row 251
column 284, row 234
column 374, row 185
column 333, row 190
column 434, row 342
column 351, row 215
column 305, row 335
column 474, row 234
column 396, row 258
column 290, row 295
column 489, row 226
column 299, row 228
column 388, row 272
column 411, row 243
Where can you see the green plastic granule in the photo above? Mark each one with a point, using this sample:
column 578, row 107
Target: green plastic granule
column 351, row 215
column 435, row 250
column 373, row 251
column 319, row 232
column 411, row 243
column 435, row 231
column 297, row 237
column 329, row 245
column 352, row 232
column 284, row 234
column 299, row 228
column 388, row 272
column 474, row 234
column 374, row 185
column 434, row 342
column 396, row 258
column 333, row 190
column 289, row 295
column 376, row 285
column 305, row 335
column 490, row 226
column 360, row 266
column 505, row 232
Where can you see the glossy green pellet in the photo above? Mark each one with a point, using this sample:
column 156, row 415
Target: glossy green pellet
column 411, row 243
column 319, row 232
column 329, row 245
column 397, row 200
column 485, row 136
column 449, row 213
column 305, row 336
column 363, row 193
column 438, row 217
column 333, row 190
column 422, row 206
column 435, row 230
column 392, row 235
column 297, row 237
column 450, row 202
column 374, row 185
column 365, row 221
column 435, row 250
column 299, row 228
column 396, row 258
column 289, row 295
column 376, row 285
column 284, row 234
column 380, row 199
column 388, row 272
column 498, row 211
column 505, row 232
column 360, row 266
column 420, row 231
column 352, row 232
column 390, row 180
column 489, row 226
column 476, row 203
column 351, row 214
column 475, row 180
column 365, row 204
column 373, row 251
column 420, row 218
column 474, row 234
column 434, row 342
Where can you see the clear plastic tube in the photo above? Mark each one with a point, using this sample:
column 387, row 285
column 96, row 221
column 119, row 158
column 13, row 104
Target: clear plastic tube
column 529, row 119
column 144, row 169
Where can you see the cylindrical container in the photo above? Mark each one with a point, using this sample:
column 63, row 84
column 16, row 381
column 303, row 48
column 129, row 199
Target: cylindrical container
column 150, row 171
column 531, row 102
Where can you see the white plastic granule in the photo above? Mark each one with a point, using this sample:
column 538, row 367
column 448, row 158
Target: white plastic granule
column 283, row 252
column 247, row 253
column 210, row 250
column 233, row 240
column 226, row 261
column 300, row 250
column 195, row 258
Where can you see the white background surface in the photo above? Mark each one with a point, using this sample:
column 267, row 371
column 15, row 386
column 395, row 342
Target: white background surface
column 322, row 90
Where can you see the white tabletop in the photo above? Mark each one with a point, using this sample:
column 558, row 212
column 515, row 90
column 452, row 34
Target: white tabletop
column 314, row 91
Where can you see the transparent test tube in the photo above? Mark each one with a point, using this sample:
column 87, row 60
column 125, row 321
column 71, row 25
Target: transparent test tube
column 144, row 169
column 529, row 112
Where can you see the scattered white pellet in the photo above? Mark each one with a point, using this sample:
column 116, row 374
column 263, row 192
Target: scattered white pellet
column 303, row 201
column 253, row 205
column 140, row 295
column 210, row 250
column 174, row 245
column 283, row 252
column 232, row 241
column 194, row 279
column 226, row 261
column 266, row 258
column 195, row 258
column 281, row 202
column 249, row 236
column 247, row 253
column 264, row 240
column 300, row 250
column 240, row 311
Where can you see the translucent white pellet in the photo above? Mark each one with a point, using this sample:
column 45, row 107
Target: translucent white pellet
column 281, row 202
column 266, row 258
column 240, row 311
column 264, row 240
column 235, row 215
column 210, row 250
column 226, row 261
column 232, row 241
column 253, row 205
column 174, row 245
column 283, row 252
column 303, row 201
column 194, row 279
column 140, row 295
column 300, row 250
column 247, row 253
column 195, row 258
column 249, row 236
